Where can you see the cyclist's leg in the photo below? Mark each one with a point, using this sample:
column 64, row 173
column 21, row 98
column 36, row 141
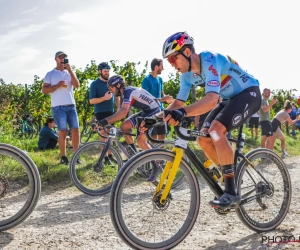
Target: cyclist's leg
column 126, row 127
column 233, row 115
column 205, row 142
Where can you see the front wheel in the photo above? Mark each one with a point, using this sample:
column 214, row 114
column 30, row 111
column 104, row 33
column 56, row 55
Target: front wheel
column 91, row 175
column 139, row 218
column 20, row 186
column 265, row 188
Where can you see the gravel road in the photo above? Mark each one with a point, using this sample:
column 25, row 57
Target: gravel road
column 67, row 219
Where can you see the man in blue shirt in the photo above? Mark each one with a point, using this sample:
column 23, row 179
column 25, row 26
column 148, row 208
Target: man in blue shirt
column 154, row 85
column 102, row 99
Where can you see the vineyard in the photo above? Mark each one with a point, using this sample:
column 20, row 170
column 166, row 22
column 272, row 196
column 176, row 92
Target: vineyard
column 18, row 100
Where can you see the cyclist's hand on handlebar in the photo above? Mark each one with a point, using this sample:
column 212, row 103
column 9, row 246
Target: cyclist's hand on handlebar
column 174, row 117
column 102, row 122
column 146, row 122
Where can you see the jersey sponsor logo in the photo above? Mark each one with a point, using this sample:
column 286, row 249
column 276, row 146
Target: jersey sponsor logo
column 213, row 83
column 244, row 78
column 226, row 87
column 246, row 113
column 253, row 94
column 213, row 70
column 146, row 98
column 236, row 119
column 195, row 75
column 235, row 71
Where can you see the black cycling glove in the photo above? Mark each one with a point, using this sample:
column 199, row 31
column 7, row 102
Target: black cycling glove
column 103, row 122
column 177, row 114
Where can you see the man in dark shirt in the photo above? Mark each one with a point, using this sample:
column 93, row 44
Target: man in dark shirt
column 102, row 99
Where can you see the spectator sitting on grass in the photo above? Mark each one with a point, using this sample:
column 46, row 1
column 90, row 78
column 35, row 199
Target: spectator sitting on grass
column 48, row 136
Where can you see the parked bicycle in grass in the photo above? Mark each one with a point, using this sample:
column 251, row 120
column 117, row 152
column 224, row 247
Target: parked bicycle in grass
column 146, row 216
column 25, row 126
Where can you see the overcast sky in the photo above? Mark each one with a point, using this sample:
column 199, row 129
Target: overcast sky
column 262, row 36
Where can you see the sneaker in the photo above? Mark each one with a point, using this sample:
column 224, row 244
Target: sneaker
column 284, row 154
column 64, row 160
column 78, row 161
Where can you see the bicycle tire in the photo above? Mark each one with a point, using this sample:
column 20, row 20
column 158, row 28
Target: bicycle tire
column 85, row 176
column 8, row 181
column 265, row 160
column 118, row 193
column 86, row 133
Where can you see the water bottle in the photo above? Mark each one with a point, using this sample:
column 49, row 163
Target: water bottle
column 242, row 143
column 212, row 169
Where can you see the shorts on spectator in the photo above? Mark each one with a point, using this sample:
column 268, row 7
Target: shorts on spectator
column 254, row 122
column 266, row 128
column 103, row 115
column 65, row 115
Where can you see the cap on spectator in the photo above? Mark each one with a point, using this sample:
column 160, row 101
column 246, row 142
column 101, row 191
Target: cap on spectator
column 57, row 54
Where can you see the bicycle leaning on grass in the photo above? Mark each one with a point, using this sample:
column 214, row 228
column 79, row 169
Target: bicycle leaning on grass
column 20, row 186
column 155, row 217
column 96, row 173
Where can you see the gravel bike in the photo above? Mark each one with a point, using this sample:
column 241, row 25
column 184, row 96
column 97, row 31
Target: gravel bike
column 158, row 217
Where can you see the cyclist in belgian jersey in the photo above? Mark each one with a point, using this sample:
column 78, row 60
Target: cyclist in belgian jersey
column 135, row 97
column 223, row 77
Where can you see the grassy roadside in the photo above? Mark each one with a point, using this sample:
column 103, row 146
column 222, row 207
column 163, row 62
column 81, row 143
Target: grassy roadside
column 53, row 172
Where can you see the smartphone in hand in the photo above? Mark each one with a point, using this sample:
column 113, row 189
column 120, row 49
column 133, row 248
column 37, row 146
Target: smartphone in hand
column 66, row 60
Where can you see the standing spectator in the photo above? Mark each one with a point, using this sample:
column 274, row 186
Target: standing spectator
column 253, row 123
column 154, row 85
column 102, row 99
column 281, row 117
column 59, row 82
column 289, row 98
column 264, row 117
column 293, row 115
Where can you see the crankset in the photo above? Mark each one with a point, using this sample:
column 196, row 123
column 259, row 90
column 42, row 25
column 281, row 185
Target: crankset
column 3, row 186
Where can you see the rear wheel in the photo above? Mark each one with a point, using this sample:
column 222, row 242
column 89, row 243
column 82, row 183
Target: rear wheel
column 267, row 187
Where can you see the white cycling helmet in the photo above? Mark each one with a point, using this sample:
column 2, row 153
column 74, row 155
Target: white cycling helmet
column 176, row 42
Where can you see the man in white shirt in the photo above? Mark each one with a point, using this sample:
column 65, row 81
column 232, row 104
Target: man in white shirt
column 59, row 82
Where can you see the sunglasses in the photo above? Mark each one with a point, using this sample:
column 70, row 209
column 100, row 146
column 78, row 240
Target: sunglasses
column 173, row 58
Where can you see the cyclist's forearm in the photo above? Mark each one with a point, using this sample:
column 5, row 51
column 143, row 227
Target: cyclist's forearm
column 204, row 105
column 117, row 116
column 177, row 104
